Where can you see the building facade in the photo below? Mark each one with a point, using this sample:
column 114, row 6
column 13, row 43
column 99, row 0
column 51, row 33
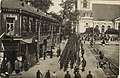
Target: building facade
column 88, row 14
column 24, row 32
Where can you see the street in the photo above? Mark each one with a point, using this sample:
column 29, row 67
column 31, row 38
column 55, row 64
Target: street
column 52, row 64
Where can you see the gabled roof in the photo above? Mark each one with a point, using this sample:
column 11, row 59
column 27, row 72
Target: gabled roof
column 16, row 4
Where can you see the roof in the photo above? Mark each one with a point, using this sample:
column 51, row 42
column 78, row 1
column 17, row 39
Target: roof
column 16, row 4
column 117, row 19
column 105, row 12
column 27, row 40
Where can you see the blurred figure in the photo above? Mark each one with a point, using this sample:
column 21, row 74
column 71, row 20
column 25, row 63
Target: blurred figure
column 82, row 52
column 17, row 67
column 101, row 55
column 8, row 66
column 103, row 43
column 47, row 75
column 67, row 75
column 25, row 65
column 77, row 75
column 38, row 74
column 76, row 69
column 54, row 75
column 83, row 64
column 89, row 75
column 7, row 75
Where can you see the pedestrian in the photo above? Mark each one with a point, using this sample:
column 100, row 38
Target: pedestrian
column 44, row 55
column 89, row 75
column 78, row 62
column 38, row 74
column 103, row 43
column 25, row 65
column 61, row 65
column 101, row 55
column 82, row 52
column 76, row 69
column 6, row 75
column 54, row 75
column 58, row 52
column 8, row 65
column 77, row 75
column 84, row 41
column 83, row 64
column 67, row 75
column 47, row 75
column 17, row 67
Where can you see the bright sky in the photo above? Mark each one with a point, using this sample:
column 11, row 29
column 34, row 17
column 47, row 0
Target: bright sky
column 56, row 8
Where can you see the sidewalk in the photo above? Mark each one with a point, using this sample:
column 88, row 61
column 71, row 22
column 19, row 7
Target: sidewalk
column 43, row 65
column 92, row 65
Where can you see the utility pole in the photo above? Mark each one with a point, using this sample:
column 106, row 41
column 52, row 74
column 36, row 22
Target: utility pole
column 0, row 20
column 0, row 16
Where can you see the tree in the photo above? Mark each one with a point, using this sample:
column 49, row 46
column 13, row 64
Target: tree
column 56, row 16
column 90, row 31
column 41, row 4
column 67, row 29
column 68, row 8
column 112, row 31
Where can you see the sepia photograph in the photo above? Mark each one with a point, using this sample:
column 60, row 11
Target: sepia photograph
column 59, row 38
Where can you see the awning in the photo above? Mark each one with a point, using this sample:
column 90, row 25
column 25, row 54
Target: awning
column 117, row 19
column 27, row 40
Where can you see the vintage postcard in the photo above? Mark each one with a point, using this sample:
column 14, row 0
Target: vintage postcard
column 59, row 38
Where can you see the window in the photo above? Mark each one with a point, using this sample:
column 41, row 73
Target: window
column 33, row 25
column 86, row 24
column 84, row 3
column 119, row 27
column 10, row 26
column 97, row 26
column 7, row 28
column 103, row 28
column 108, row 27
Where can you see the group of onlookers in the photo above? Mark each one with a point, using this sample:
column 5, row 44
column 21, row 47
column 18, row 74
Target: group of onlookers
column 67, row 75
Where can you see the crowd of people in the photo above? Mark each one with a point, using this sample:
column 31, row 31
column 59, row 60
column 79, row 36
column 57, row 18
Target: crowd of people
column 67, row 74
column 66, row 58
column 70, row 55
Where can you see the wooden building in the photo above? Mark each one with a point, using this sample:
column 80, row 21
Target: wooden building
column 24, row 30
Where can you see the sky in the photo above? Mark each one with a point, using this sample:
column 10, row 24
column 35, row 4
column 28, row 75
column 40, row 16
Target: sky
column 56, row 8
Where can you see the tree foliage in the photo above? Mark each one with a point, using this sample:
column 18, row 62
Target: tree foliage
column 56, row 16
column 41, row 4
column 90, row 31
column 67, row 29
column 68, row 8
column 112, row 31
